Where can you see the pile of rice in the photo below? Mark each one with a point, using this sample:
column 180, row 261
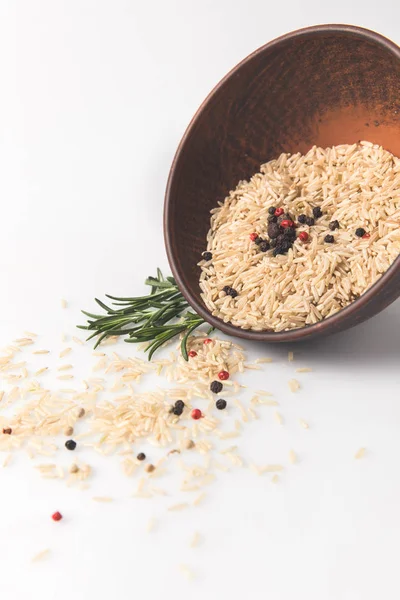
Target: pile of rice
column 358, row 185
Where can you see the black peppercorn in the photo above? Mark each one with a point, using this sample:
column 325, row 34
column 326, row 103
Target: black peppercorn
column 258, row 240
column 273, row 230
column 220, row 404
column 334, row 225
column 70, row 445
column 216, row 387
column 302, row 219
column 180, row 404
column 309, row 221
column 290, row 233
column 272, row 243
column 272, row 219
column 264, row 246
column 272, row 210
column 360, row 232
column 177, row 410
column 329, row 239
column 207, row 255
column 278, row 250
column 317, row 212
column 141, row 456
column 229, row 291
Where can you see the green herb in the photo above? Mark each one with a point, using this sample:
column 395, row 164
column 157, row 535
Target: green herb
column 155, row 318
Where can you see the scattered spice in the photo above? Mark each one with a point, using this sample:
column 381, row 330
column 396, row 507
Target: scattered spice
column 272, row 210
column 68, row 431
column 279, row 212
column 220, row 404
column 253, row 237
column 178, row 408
column 273, row 230
column 366, row 236
column 207, row 255
column 360, row 232
column 216, row 387
column 192, row 353
column 302, row 219
column 70, row 445
column 229, row 291
column 7, row 430
column 264, row 246
column 310, row 221
column 207, row 341
column 303, row 236
column 189, row 444
column 73, row 468
column 285, row 223
column 57, row 516
column 334, row 225
column 80, row 413
column 196, row 414
column 141, row 456
column 223, row 375
column 317, row 212
column 149, row 468
column 329, row 239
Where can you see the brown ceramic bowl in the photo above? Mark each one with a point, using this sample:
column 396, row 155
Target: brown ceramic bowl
column 324, row 85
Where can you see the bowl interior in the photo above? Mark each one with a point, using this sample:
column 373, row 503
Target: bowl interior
column 320, row 86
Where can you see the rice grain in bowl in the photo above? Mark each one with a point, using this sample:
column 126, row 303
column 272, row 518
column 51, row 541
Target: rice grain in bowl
column 338, row 231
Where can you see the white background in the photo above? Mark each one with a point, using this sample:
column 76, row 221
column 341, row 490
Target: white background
column 94, row 98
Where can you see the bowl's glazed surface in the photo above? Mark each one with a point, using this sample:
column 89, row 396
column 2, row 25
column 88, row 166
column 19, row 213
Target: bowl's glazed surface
column 324, row 85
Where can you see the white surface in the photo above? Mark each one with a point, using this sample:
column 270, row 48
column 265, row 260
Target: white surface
column 94, row 99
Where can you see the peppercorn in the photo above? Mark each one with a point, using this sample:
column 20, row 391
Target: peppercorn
column 220, row 404
column 57, row 516
column 303, row 236
column 70, row 445
column 80, row 413
column 366, row 236
column 196, row 414
column 329, row 239
column 273, row 230
column 317, row 212
column 334, row 225
column 278, row 250
column 272, row 210
column 192, row 353
column 279, row 212
column 207, row 255
column 302, row 219
column 188, row 444
column 229, row 291
column 178, row 408
column 216, row 387
column 290, row 234
column 7, row 430
column 272, row 243
column 286, row 223
column 272, row 219
column 360, row 232
column 149, row 468
column 141, row 456
column 309, row 221
column 264, row 246
column 259, row 240
column 73, row 468
column 223, row 375
column 68, row 431
column 207, row 341
column 253, row 236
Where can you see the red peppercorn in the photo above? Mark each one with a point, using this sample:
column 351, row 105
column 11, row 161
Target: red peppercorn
column 279, row 212
column 207, row 341
column 196, row 414
column 192, row 353
column 253, row 237
column 366, row 236
column 223, row 375
column 303, row 236
column 57, row 516
column 285, row 223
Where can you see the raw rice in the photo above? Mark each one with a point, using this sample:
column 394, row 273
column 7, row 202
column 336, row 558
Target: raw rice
column 358, row 185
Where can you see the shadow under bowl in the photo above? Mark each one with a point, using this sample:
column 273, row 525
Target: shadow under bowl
column 323, row 85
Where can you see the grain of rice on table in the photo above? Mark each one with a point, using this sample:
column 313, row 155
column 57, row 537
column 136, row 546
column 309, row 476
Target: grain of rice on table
column 358, row 185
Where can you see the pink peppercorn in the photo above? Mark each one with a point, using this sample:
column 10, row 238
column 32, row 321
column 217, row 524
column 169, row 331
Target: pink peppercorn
column 196, row 414
column 223, row 375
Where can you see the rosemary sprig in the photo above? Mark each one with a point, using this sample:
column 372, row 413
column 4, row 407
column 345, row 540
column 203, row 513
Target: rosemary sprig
column 151, row 318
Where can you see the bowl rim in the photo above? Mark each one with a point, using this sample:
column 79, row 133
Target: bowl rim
column 198, row 306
